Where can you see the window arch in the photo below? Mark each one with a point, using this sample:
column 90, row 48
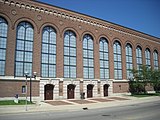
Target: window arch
column 24, row 49
column 129, row 57
column 103, row 58
column 69, row 54
column 88, row 60
column 148, row 58
column 139, row 57
column 3, row 42
column 155, row 59
column 117, row 60
column 48, row 63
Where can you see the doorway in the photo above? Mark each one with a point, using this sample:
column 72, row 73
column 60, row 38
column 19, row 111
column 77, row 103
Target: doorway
column 48, row 92
column 90, row 91
column 70, row 91
column 105, row 90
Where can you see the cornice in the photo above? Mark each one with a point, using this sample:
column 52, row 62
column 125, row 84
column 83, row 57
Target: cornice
column 78, row 17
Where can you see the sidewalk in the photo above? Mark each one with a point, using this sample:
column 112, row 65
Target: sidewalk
column 75, row 105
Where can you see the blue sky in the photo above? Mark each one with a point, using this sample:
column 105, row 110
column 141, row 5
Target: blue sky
column 141, row 15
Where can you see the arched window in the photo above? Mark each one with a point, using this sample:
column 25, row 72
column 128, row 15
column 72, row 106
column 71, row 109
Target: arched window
column 48, row 68
column 139, row 57
column 24, row 49
column 155, row 59
column 3, row 42
column 148, row 58
column 103, row 58
column 69, row 54
column 88, row 61
column 129, row 62
column 117, row 60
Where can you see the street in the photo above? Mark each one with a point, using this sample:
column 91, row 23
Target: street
column 143, row 111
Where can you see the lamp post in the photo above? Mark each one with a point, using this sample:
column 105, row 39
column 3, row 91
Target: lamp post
column 30, row 77
column 26, row 74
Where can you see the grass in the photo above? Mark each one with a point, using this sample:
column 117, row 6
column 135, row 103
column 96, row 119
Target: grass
column 11, row 102
column 146, row 95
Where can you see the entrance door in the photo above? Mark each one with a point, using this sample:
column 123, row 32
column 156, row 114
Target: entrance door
column 89, row 91
column 48, row 92
column 70, row 91
column 105, row 89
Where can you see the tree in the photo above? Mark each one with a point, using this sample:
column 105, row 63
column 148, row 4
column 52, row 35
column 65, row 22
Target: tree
column 135, row 83
column 155, row 77
column 140, row 79
column 144, row 75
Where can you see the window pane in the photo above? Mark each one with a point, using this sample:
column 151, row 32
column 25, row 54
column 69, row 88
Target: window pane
column 19, row 69
column 85, row 72
column 90, row 54
column 73, row 72
column 91, row 72
column 52, row 49
column 66, row 50
column 45, row 58
column 29, row 34
column 66, row 40
column 51, row 70
column 66, row 60
column 28, row 57
column 2, row 54
column 52, row 37
column 73, row 41
column 66, row 71
column 45, row 48
column 28, row 67
column 91, row 64
column 85, row 62
column 20, row 45
column 72, row 52
column 45, row 36
column 44, row 70
column 73, row 61
column 2, row 67
column 28, row 46
column 85, row 54
column 52, row 59
column 85, row 43
column 21, row 32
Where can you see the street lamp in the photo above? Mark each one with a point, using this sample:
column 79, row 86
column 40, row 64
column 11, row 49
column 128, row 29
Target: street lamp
column 26, row 74
column 32, row 76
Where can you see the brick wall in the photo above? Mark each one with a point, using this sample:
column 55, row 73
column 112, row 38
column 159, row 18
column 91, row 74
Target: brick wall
column 9, row 88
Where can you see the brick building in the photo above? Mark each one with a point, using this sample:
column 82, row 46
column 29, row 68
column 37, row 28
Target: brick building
column 71, row 52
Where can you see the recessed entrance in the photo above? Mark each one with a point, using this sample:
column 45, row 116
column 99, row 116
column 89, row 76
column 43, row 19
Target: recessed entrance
column 90, row 90
column 48, row 92
column 105, row 89
column 70, row 91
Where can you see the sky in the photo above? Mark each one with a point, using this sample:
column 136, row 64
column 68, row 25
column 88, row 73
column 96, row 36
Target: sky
column 140, row 15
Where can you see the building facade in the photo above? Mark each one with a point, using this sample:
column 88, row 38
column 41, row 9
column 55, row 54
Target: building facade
column 72, row 53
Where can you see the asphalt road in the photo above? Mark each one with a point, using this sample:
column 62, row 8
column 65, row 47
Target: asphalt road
column 143, row 111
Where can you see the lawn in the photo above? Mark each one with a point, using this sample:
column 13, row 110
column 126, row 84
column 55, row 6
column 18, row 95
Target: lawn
column 146, row 95
column 11, row 102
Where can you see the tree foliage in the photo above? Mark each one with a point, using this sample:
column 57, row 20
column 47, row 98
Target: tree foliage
column 142, row 77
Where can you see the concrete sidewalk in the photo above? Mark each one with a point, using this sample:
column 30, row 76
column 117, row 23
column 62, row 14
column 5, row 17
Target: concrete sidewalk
column 74, row 105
